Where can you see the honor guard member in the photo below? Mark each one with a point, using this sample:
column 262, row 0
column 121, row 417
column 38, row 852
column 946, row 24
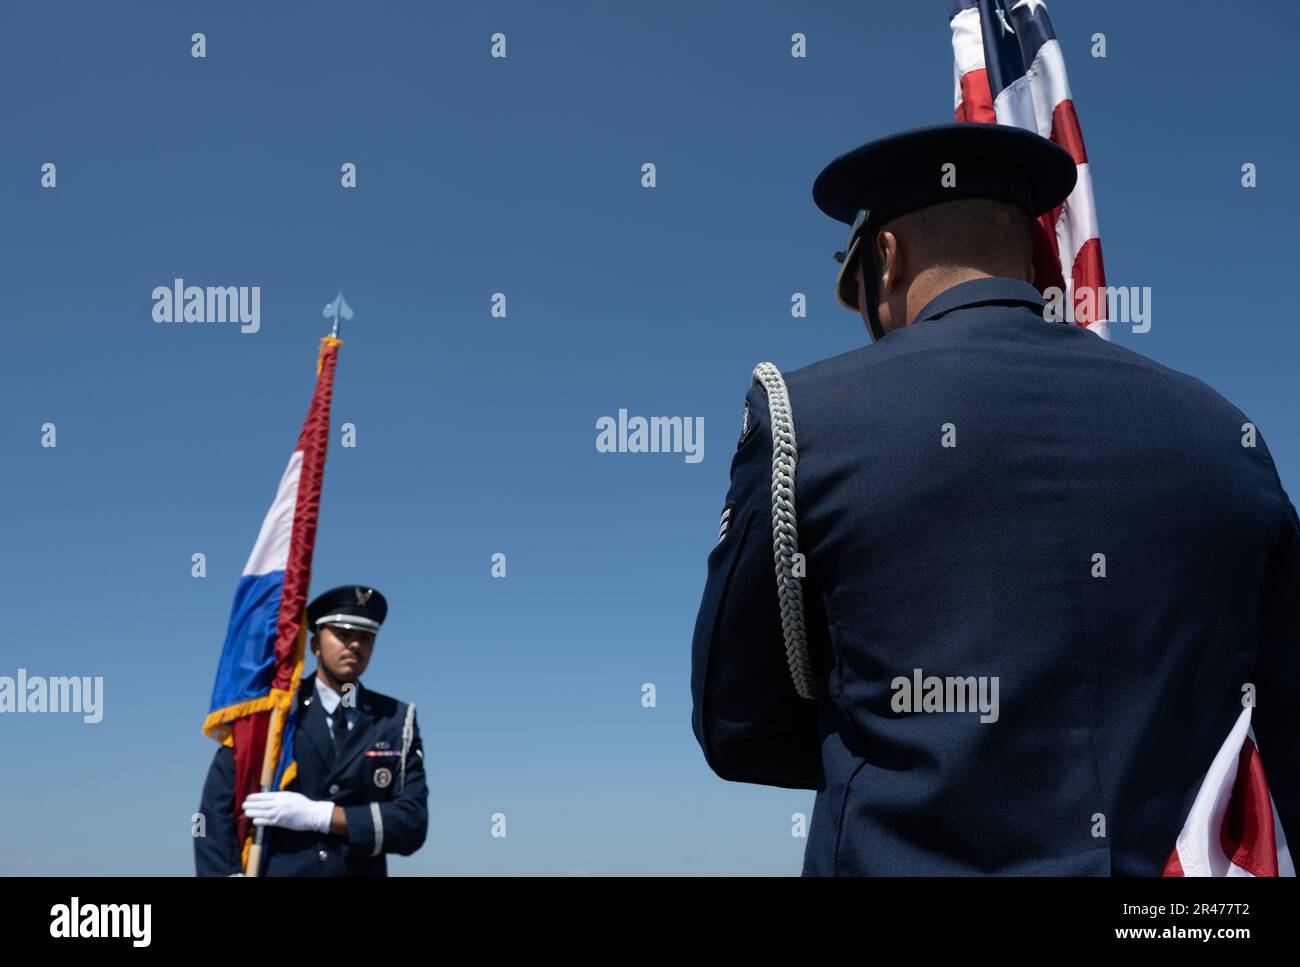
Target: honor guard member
column 360, row 789
column 991, row 585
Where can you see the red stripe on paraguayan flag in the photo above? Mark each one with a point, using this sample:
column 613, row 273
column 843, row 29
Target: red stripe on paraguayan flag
column 262, row 656
column 1008, row 69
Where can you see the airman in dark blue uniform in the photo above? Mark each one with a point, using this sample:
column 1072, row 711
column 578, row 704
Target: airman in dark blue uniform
column 993, row 586
column 360, row 790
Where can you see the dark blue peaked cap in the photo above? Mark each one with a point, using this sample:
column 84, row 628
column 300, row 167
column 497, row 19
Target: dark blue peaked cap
column 902, row 173
column 905, row 172
column 350, row 606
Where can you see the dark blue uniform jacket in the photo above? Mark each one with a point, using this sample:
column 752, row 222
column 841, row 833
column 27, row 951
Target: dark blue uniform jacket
column 980, row 559
column 382, row 818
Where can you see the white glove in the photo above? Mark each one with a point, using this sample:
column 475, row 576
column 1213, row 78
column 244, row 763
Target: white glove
column 290, row 810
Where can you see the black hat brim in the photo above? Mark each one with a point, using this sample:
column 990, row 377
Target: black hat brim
column 901, row 173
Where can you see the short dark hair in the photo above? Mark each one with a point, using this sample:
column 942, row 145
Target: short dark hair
column 968, row 232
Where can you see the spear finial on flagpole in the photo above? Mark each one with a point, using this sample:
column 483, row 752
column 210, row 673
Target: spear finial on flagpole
column 336, row 310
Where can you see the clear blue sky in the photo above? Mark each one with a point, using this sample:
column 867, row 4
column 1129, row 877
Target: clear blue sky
column 477, row 435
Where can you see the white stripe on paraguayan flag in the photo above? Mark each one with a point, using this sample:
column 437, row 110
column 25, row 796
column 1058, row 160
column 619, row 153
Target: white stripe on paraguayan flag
column 271, row 551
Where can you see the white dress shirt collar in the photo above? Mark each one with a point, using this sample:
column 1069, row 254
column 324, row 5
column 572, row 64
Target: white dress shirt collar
column 329, row 698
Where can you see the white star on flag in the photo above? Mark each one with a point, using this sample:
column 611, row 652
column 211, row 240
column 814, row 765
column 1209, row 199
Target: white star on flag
column 1033, row 6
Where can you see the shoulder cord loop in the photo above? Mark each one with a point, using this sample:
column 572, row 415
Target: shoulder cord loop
column 408, row 736
column 785, row 530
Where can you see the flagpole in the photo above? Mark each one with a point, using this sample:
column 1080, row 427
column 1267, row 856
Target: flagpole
column 337, row 309
column 268, row 776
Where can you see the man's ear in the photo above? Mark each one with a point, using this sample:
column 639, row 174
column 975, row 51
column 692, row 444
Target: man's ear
column 315, row 643
column 889, row 258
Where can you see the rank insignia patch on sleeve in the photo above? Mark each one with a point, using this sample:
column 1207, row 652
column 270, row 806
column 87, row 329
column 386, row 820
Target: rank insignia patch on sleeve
column 725, row 522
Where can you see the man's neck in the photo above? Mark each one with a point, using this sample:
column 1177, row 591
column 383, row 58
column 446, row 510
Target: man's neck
column 326, row 679
column 933, row 282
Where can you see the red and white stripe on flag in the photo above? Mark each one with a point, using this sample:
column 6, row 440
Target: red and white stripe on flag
column 1008, row 69
column 1233, row 828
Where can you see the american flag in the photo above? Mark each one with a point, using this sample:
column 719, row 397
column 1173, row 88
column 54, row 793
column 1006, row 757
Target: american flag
column 1008, row 69
column 1233, row 828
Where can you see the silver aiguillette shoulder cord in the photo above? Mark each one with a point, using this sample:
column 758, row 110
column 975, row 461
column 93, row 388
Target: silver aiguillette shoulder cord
column 785, row 529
